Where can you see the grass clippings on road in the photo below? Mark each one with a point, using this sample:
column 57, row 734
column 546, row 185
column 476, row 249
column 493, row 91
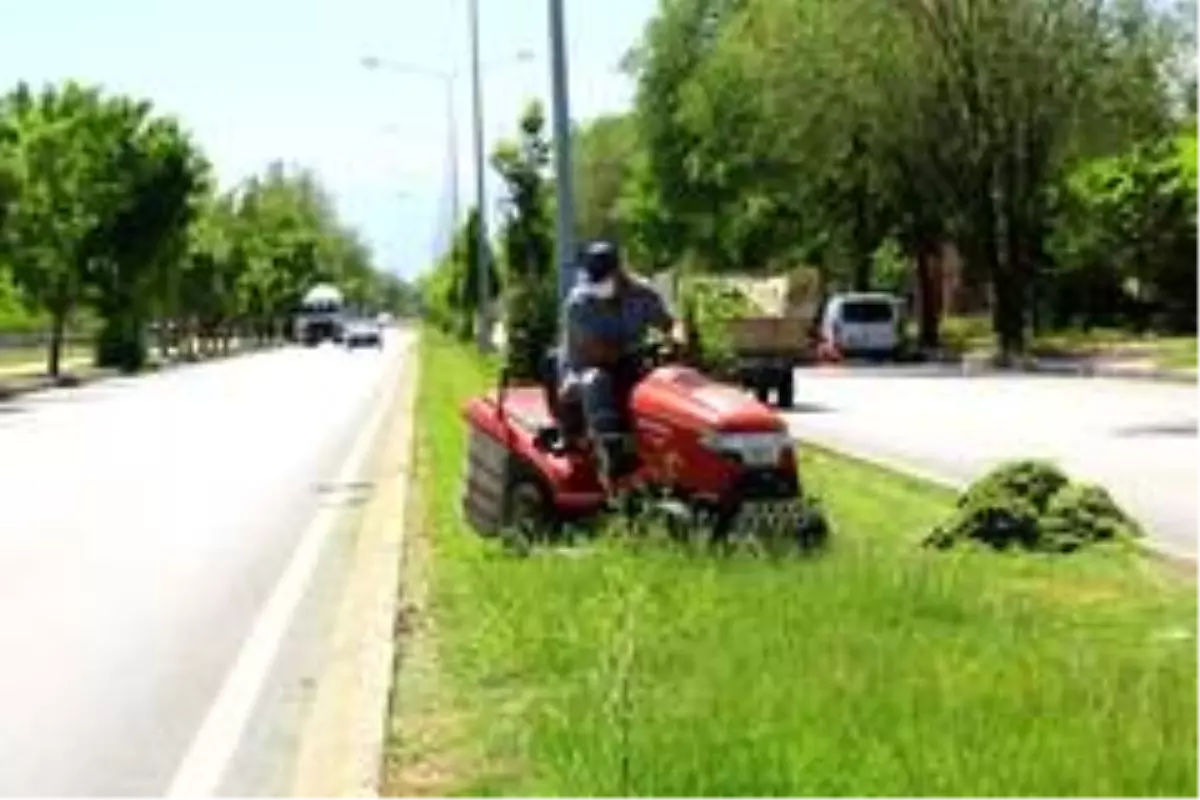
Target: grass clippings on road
column 877, row 669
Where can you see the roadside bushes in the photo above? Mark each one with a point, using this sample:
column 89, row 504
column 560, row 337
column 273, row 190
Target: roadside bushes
column 1034, row 506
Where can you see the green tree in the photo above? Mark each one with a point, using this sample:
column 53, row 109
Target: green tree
column 162, row 179
column 604, row 151
column 61, row 141
column 397, row 296
column 1124, row 243
column 779, row 131
column 527, row 240
column 681, row 198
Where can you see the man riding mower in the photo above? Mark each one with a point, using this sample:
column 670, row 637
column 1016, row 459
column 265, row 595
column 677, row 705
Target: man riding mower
column 606, row 319
column 613, row 418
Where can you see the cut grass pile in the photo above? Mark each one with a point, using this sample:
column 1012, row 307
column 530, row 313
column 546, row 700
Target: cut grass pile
column 879, row 668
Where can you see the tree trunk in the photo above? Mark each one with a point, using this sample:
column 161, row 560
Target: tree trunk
column 1015, row 257
column 57, row 331
column 1004, row 310
column 1010, row 316
column 929, row 298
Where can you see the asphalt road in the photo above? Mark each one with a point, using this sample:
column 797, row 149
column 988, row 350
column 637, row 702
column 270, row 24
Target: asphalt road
column 1136, row 438
column 143, row 525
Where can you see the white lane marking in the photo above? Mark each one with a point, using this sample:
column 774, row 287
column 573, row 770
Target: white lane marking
column 211, row 751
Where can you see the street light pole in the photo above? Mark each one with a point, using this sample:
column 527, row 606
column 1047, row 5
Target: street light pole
column 564, row 189
column 483, row 292
column 483, row 319
column 452, row 118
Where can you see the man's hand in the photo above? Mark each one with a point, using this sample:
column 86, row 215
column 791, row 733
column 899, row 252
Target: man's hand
column 676, row 334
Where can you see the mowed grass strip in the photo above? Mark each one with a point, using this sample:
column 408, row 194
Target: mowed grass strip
column 36, row 358
column 876, row 669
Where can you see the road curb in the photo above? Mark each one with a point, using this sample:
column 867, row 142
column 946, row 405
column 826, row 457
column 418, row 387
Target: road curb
column 1082, row 369
column 341, row 746
column 1145, row 545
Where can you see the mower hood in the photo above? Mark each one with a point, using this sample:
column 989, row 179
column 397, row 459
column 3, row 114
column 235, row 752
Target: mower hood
column 690, row 399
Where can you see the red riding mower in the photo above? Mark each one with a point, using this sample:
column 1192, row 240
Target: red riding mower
column 700, row 456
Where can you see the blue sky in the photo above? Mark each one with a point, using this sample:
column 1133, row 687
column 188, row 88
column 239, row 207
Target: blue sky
column 257, row 80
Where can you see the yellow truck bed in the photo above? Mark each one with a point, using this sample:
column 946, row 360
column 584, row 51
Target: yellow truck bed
column 784, row 336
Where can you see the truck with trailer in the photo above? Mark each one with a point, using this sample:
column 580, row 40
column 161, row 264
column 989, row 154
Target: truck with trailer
column 775, row 331
column 321, row 316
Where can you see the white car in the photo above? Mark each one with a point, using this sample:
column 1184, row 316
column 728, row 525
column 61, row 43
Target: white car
column 863, row 323
column 363, row 333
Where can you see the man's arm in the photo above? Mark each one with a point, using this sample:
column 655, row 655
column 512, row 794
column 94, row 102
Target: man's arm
column 661, row 318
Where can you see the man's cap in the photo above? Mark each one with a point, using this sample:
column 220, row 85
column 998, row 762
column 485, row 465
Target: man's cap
column 600, row 260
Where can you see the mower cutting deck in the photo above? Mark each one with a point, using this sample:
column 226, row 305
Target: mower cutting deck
column 707, row 449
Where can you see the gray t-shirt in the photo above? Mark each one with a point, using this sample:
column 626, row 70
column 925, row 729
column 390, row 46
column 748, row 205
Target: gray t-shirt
column 621, row 322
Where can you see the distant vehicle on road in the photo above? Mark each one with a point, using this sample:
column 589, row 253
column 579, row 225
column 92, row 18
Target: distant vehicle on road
column 863, row 324
column 321, row 316
column 364, row 333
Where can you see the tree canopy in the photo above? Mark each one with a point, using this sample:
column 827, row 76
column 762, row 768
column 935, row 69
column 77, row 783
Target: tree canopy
column 111, row 209
column 848, row 134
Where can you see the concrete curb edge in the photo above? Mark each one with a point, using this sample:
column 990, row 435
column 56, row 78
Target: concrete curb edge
column 341, row 744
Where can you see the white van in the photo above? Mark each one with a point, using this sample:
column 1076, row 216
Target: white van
column 863, row 323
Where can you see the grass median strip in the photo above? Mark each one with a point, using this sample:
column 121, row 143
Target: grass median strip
column 876, row 669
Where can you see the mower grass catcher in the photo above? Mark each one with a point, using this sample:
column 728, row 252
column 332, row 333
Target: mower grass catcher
column 703, row 458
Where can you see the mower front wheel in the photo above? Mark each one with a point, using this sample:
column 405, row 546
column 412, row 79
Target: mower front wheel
column 528, row 515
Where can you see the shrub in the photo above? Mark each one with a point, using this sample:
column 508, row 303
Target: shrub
column 1080, row 514
column 962, row 334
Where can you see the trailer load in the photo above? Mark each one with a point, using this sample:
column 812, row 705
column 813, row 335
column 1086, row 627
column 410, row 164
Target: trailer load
column 752, row 329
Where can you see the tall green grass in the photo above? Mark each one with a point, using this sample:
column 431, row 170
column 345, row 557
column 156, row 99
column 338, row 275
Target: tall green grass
column 876, row 669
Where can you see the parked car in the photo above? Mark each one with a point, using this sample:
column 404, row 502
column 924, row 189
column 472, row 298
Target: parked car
column 364, row 333
column 863, row 324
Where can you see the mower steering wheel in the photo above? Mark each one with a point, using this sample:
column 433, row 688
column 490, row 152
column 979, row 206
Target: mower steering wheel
column 655, row 353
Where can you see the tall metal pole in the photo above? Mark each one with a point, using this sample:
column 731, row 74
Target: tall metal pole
column 452, row 123
column 564, row 188
column 482, row 318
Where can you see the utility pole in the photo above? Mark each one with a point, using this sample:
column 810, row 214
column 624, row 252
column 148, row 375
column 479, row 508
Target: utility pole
column 452, row 124
column 482, row 317
column 564, row 190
